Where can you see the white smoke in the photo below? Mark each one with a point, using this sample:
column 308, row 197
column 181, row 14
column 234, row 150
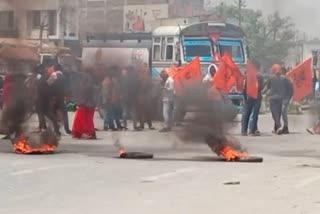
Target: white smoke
column 305, row 14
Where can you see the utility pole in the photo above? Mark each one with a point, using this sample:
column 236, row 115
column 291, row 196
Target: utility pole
column 62, row 24
column 240, row 5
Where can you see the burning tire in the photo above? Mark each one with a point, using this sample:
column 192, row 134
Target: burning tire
column 136, row 155
column 36, row 143
column 250, row 159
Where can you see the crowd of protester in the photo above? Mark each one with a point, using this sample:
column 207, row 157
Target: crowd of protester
column 279, row 91
column 128, row 94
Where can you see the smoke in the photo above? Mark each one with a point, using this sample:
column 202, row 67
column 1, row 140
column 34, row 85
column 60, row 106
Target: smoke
column 16, row 105
column 17, row 115
column 297, row 10
column 211, row 121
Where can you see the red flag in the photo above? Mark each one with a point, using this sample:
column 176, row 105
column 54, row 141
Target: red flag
column 228, row 75
column 301, row 77
column 252, row 80
column 172, row 70
column 187, row 75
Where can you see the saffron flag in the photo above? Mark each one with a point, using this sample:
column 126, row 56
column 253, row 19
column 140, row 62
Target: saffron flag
column 187, row 75
column 252, row 80
column 301, row 77
column 172, row 70
column 228, row 75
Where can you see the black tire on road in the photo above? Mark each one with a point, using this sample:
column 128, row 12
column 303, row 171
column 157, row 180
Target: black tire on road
column 251, row 159
column 136, row 155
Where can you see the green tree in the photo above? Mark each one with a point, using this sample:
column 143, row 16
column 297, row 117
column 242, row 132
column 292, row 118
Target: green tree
column 240, row 4
column 269, row 38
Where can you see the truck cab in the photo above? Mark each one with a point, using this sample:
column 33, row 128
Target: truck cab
column 209, row 40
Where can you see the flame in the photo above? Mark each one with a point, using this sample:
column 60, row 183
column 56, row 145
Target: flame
column 22, row 147
column 231, row 154
column 122, row 152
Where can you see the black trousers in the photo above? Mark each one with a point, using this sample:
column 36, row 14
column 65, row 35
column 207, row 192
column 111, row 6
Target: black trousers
column 276, row 111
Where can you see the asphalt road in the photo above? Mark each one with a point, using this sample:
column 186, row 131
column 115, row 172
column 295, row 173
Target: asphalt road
column 86, row 177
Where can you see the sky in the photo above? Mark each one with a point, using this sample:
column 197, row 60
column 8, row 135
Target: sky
column 305, row 13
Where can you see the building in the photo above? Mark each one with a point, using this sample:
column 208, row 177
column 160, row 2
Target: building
column 301, row 51
column 122, row 15
column 186, row 8
column 134, row 15
column 47, row 20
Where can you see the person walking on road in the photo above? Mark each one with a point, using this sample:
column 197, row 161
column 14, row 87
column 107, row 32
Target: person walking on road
column 276, row 88
column 287, row 96
column 83, row 124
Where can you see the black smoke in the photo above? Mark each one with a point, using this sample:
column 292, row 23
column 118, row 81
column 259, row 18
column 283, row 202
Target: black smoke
column 209, row 122
column 19, row 118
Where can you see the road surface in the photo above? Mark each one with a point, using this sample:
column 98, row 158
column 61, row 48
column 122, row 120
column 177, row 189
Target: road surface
column 86, row 177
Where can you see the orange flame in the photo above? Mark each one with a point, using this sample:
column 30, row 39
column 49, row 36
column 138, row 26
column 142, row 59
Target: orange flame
column 230, row 154
column 122, row 152
column 22, row 147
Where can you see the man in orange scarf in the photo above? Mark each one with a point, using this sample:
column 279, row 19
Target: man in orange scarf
column 276, row 87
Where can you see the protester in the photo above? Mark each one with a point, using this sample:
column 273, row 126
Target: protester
column 83, row 125
column 59, row 91
column 129, row 83
column 252, row 107
column 6, row 94
column 315, row 69
column 276, row 90
column 6, row 89
column 1, row 85
column 168, row 101
column 115, row 111
column 211, row 72
column 287, row 96
column 253, row 124
column 145, row 97
column 105, row 102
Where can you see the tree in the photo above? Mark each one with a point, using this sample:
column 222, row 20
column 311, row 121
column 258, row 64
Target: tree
column 269, row 39
column 280, row 28
column 240, row 5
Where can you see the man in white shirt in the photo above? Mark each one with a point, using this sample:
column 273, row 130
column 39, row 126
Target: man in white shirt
column 168, row 101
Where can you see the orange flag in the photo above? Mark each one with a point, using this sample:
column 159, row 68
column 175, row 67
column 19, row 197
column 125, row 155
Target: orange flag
column 172, row 70
column 252, row 80
column 301, row 77
column 228, row 75
column 187, row 75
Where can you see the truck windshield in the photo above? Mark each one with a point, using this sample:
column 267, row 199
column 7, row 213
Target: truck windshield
column 198, row 47
column 234, row 47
